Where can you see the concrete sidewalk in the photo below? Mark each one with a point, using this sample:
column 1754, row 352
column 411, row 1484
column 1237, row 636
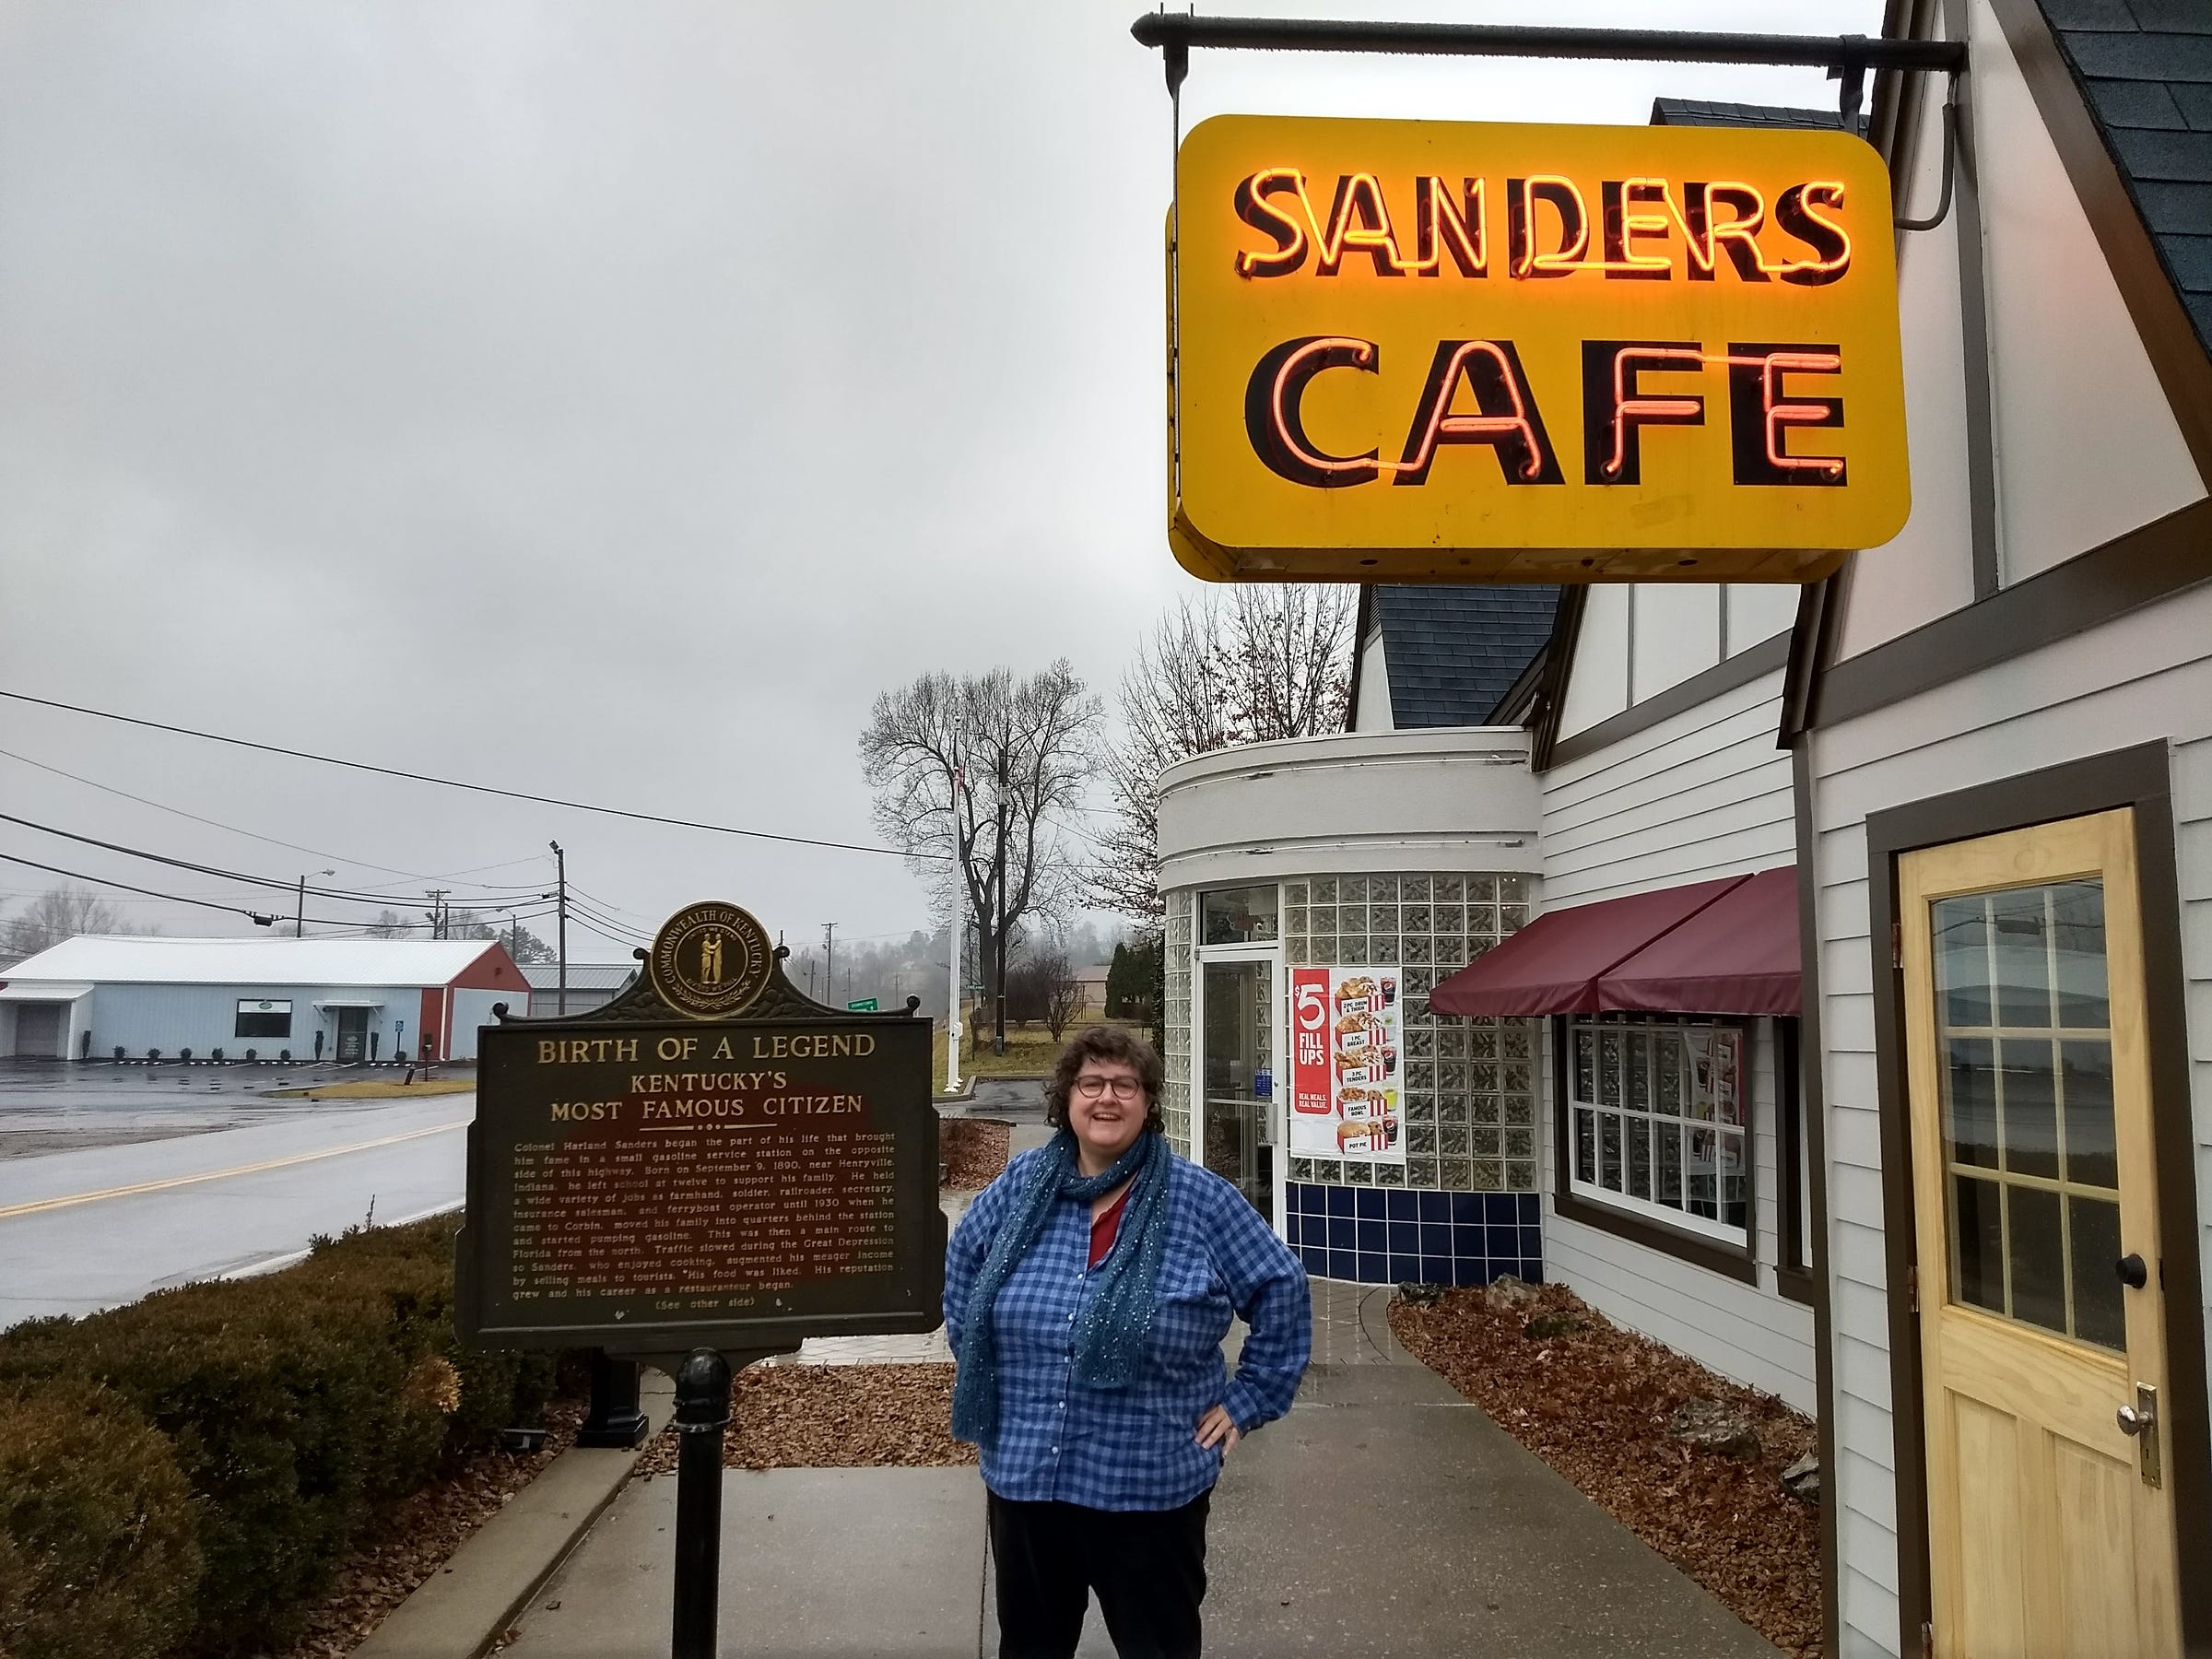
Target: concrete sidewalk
column 1384, row 1516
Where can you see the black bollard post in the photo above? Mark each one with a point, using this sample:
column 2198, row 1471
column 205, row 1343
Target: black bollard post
column 612, row 1418
column 703, row 1412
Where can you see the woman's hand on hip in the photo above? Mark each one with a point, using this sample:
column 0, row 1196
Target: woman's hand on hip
column 1216, row 1429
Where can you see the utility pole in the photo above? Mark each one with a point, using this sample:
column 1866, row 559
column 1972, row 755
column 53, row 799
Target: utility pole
column 437, row 911
column 952, row 1016
column 299, row 913
column 829, row 963
column 560, row 870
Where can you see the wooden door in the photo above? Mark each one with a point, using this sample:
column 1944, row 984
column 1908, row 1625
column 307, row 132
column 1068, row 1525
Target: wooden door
column 2050, row 1517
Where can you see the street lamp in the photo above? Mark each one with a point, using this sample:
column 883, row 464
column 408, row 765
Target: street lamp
column 300, row 914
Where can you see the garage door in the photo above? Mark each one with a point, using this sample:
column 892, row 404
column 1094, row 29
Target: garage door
column 40, row 1028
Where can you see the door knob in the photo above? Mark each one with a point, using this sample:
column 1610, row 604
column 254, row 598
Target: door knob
column 2132, row 1272
column 2133, row 1421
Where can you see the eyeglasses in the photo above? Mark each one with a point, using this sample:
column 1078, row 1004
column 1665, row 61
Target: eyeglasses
column 1124, row 1088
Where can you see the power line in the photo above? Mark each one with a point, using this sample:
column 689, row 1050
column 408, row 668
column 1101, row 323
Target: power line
column 257, row 917
column 360, row 864
column 346, row 895
column 512, row 794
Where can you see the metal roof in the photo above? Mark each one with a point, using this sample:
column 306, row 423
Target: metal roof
column 1452, row 652
column 583, row 976
column 2145, row 69
column 156, row 960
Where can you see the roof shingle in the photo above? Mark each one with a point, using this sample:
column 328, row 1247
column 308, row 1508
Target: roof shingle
column 1453, row 652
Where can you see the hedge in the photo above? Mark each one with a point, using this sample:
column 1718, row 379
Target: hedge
column 287, row 1406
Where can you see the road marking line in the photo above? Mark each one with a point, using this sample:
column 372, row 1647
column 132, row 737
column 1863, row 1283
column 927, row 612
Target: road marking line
column 177, row 1181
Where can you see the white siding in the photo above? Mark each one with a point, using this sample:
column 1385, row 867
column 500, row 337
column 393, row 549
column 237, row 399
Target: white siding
column 1597, row 686
column 1703, row 793
column 2145, row 676
column 2087, row 447
column 1372, row 713
column 1678, row 635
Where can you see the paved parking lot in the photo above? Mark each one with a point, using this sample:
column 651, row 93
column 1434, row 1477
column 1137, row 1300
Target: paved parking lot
column 48, row 1106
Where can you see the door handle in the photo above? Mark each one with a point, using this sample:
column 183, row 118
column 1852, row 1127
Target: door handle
column 2140, row 1421
column 2132, row 1272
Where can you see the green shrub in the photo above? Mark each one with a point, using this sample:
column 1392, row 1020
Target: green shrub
column 99, row 1541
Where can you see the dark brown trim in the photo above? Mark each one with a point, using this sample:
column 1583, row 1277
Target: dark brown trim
column 2146, row 285
column 1520, row 698
column 1792, row 1281
column 1710, row 1253
column 1811, row 1060
column 1558, row 658
column 1725, row 676
column 1974, row 331
column 2159, row 559
column 1808, row 652
column 2138, row 778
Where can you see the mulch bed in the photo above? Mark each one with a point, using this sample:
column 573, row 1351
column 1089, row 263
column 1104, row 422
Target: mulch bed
column 412, row 1541
column 834, row 1417
column 975, row 1151
column 1594, row 1404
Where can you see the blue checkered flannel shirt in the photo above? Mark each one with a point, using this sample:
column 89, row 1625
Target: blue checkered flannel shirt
column 1135, row 1448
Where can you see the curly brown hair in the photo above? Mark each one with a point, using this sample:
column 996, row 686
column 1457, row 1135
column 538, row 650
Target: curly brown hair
column 1120, row 1047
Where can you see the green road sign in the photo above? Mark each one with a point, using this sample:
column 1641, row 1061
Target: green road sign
column 864, row 1005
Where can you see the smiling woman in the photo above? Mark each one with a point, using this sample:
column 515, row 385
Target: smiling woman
column 1087, row 1294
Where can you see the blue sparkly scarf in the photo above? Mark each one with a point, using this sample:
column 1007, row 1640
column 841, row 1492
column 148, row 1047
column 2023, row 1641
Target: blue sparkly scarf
column 1110, row 1337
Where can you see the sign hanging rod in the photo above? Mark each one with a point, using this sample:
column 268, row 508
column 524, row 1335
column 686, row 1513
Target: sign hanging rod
column 1848, row 57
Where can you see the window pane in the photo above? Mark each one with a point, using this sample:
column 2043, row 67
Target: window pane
column 1702, row 1174
column 2023, row 955
column 1608, row 1167
column 1977, row 1243
column 2038, row 1256
column 1667, row 1073
column 1585, row 1145
column 1728, row 1076
column 1734, row 1183
column 1971, row 1101
column 2077, row 936
column 1961, row 930
column 2030, row 1096
column 1585, row 1064
column 1666, row 1179
column 2093, row 1231
column 1608, row 1068
column 1640, row 1069
column 2085, row 1077
column 1241, row 916
column 1639, row 1134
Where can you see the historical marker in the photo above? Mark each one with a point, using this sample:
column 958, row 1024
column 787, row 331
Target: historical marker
column 711, row 1160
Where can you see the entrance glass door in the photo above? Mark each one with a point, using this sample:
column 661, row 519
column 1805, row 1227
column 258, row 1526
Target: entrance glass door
column 353, row 1034
column 2051, row 1524
column 1236, row 1132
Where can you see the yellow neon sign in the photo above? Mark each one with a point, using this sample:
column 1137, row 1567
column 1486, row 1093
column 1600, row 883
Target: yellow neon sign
column 1429, row 350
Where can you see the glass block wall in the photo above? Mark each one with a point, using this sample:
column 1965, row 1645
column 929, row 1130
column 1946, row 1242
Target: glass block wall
column 1469, row 1086
column 1176, row 1108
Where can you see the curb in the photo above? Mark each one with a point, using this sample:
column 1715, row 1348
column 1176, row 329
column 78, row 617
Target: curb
column 462, row 1610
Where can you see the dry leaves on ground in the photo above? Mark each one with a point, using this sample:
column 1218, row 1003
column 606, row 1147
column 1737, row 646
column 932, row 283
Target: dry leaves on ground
column 1593, row 1404
column 975, row 1151
column 838, row 1416
column 412, row 1541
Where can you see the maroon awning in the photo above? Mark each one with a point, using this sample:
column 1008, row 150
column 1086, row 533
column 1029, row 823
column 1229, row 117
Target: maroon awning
column 1554, row 964
column 1738, row 954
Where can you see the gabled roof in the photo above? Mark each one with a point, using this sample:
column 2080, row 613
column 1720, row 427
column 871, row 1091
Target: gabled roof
column 1452, row 653
column 144, row 960
column 583, row 976
column 1699, row 111
column 2145, row 69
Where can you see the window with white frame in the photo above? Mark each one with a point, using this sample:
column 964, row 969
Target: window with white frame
column 1658, row 1122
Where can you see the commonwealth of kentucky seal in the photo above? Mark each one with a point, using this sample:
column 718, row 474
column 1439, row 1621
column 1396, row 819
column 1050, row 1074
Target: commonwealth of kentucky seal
column 709, row 960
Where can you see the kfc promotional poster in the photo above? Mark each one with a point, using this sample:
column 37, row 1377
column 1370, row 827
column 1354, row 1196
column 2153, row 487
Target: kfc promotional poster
column 1344, row 1063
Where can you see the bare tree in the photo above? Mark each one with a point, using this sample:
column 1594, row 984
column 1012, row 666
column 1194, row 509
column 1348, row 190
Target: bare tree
column 389, row 925
column 60, row 913
column 1062, row 992
column 1261, row 662
column 973, row 777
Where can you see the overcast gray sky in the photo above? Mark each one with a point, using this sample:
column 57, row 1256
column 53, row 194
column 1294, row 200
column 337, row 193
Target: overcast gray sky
column 601, row 400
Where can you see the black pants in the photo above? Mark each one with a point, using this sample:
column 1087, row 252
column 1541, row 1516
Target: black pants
column 1147, row 1566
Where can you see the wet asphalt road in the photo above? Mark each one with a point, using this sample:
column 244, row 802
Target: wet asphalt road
column 125, row 1179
